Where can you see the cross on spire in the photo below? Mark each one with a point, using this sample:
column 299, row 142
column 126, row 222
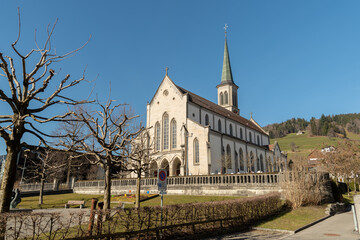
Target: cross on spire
column 166, row 71
column 226, row 27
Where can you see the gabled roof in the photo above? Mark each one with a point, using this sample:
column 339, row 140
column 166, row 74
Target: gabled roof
column 219, row 110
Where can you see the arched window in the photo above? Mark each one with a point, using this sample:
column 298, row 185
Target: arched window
column 166, row 131
column 251, row 164
column 236, row 161
column 157, row 136
column 219, row 125
column 241, row 133
column 258, row 140
column 250, row 140
column 196, row 151
column 262, row 163
column 221, row 99
column 241, row 160
column 226, row 96
column 206, row 120
column 173, row 133
column 228, row 157
column 231, row 130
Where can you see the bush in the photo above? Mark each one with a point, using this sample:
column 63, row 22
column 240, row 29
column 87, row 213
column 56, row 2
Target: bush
column 177, row 220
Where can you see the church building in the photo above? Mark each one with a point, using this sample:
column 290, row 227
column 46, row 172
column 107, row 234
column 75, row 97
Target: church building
column 194, row 136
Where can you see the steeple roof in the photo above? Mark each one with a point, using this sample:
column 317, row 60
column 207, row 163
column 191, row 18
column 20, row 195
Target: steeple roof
column 226, row 76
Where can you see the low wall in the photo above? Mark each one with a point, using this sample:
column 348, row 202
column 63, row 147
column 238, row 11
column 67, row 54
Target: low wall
column 232, row 184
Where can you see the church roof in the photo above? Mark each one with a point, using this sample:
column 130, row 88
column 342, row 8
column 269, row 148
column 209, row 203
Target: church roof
column 219, row 110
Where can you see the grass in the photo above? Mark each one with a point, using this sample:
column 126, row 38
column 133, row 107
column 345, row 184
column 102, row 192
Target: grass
column 306, row 143
column 295, row 219
column 180, row 199
column 59, row 201
column 56, row 201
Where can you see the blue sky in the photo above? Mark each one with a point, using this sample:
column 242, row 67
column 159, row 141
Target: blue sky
column 289, row 58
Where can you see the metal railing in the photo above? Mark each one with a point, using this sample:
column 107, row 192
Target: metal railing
column 230, row 179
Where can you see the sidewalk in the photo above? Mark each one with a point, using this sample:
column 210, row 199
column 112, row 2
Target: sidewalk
column 340, row 227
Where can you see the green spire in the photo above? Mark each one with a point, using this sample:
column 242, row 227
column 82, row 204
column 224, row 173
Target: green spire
column 226, row 76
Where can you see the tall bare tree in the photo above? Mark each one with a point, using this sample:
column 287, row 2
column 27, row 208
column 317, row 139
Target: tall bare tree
column 344, row 160
column 140, row 155
column 44, row 163
column 29, row 95
column 110, row 133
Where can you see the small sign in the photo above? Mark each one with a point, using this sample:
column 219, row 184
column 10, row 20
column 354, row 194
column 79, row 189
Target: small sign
column 163, row 192
column 162, row 186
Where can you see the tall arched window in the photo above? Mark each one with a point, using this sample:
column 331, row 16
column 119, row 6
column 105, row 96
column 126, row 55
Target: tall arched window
column 221, row 98
column 228, row 157
column 206, row 120
column 258, row 140
column 196, row 151
column 262, row 163
column 250, row 140
column 166, row 131
column 252, row 162
column 157, row 136
column 241, row 160
column 241, row 133
column 173, row 133
column 219, row 125
column 226, row 96
column 231, row 130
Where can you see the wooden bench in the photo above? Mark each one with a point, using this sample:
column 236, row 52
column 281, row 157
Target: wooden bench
column 75, row 202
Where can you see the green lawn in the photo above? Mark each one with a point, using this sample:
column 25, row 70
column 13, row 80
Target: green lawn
column 296, row 218
column 306, row 143
column 59, row 201
column 56, row 201
column 180, row 199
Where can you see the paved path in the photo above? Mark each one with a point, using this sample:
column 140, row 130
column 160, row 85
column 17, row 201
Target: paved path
column 253, row 235
column 339, row 227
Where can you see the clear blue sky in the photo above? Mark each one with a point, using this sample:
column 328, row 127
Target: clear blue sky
column 289, row 58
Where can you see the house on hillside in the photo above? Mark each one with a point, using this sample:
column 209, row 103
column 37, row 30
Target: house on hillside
column 194, row 136
column 316, row 157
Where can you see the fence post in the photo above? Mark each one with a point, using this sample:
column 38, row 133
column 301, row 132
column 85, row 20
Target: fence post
column 92, row 215
column 56, row 185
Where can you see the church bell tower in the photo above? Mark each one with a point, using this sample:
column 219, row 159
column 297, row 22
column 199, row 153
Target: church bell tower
column 227, row 89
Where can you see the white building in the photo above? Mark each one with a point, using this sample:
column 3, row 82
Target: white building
column 194, row 136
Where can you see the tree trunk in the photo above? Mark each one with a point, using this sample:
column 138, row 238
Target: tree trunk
column 42, row 183
column 68, row 172
column 354, row 185
column 9, row 177
column 138, row 182
column 107, row 187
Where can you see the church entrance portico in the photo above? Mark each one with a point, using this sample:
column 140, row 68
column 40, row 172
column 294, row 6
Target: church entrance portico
column 153, row 169
column 176, row 167
column 165, row 165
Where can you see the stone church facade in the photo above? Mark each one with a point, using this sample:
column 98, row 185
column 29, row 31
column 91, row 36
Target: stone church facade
column 194, row 136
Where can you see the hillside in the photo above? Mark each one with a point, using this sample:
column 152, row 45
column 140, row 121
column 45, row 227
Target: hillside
column 331, row 126
column 307, row 143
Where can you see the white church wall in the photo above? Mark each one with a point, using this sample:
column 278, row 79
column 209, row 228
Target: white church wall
column 201, row 133
column 205, row 112
column 215, row 149
column 193, row 112
column 222, row 120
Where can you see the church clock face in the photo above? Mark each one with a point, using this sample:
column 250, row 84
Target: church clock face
column 166, row 92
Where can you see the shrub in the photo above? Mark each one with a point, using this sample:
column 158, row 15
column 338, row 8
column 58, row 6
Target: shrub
column 177, row 220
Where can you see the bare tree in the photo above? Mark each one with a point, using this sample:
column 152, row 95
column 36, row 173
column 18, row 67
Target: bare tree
column 29, row 95
column 44, row 163
column 344, row 160
column 140, row 155
column 110, row 133
column 301, row 187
